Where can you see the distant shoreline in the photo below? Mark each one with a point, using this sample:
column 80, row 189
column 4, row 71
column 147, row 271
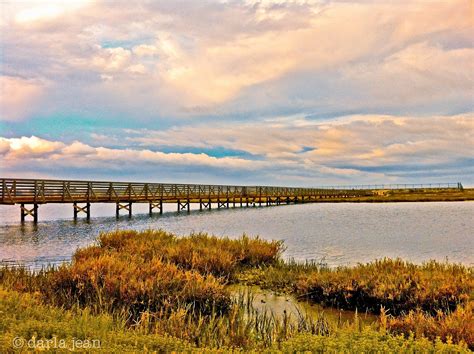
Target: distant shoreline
column 406, row 196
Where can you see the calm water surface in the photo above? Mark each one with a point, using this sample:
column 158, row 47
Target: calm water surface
column 339, row 234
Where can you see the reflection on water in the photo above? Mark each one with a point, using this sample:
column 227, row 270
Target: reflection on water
column 339, row 233
column 279, row 305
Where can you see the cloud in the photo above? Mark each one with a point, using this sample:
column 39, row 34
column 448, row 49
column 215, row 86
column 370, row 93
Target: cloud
column 40, row 11
column 287, row 150
column 112, row 59
column 32, row 147
column 348, row 143
column 419, row 73
column 17, row 96
column 144, row 50
column 243, row 57
column 33, row 152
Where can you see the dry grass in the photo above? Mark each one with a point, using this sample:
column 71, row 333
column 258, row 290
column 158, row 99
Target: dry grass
column 206, row 254
column 454, row 326
column 396, row 285
column 153, row 271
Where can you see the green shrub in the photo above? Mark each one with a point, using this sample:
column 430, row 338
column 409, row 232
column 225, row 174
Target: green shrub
column 366, row 341
column 26, row 317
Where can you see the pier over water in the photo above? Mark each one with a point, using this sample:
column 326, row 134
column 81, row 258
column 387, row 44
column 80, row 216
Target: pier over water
column 29, row 194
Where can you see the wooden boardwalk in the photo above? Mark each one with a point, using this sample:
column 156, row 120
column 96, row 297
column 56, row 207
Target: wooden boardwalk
column 30, row 193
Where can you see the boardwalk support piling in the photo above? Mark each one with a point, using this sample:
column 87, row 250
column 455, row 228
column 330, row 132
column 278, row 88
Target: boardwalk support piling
column 156, row 205
column 184, row 206
column 85, row 209
column 126, row 206
column 224, row 204
column 204, row 205
column 32, row 212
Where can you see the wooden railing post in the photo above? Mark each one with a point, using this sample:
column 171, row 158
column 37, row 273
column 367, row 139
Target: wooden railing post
column 110, row 190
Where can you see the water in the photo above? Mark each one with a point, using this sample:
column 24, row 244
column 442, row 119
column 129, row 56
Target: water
column 338, row 234
column 270, row 302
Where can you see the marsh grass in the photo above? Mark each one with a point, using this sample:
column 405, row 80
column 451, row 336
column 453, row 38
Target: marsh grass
column 243, row 326
column 432, row 300
column 26, row 316
column 152, row 290
column 221, row 257
column 147, row 271
column 242, row 329
column 395, row 285
column 454, row 326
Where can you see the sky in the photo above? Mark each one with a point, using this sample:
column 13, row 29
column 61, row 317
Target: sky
column 274, row 92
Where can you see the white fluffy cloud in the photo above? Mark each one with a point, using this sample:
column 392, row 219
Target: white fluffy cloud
column 20, row 151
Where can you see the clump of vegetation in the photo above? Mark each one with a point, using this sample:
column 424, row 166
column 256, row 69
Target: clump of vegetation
column 395, row 285
column 221, row 257
column 432, row 300
column 122, row 282
column 455, row 326
column 148, row 271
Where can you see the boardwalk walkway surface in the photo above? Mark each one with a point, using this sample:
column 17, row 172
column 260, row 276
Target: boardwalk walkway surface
column 83, row 193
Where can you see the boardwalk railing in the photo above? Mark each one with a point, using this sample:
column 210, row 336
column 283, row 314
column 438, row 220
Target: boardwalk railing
column 15, row 191
column 400, row 186
column 42, row 191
